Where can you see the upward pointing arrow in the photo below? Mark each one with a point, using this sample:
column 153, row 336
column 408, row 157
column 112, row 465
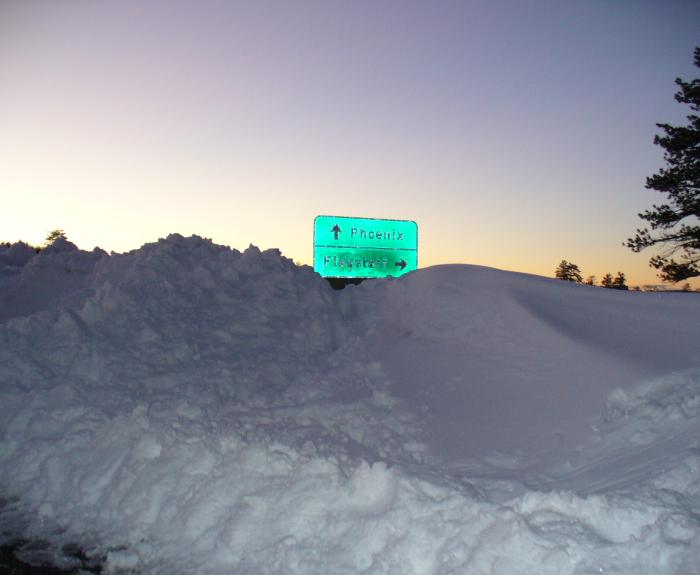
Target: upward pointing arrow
column 336, row 230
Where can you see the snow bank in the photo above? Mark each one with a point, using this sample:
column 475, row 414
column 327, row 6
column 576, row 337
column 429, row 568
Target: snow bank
column 518, row 364
column 14, row 257
column 31, row 282
column 190, row 408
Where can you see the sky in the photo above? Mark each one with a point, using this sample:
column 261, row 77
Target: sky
column 515, row 133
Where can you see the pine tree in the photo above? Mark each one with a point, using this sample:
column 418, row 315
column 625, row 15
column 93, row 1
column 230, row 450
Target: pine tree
column 568, row 272
column 617, row 282
column 674, row 225
column 620, row 282
column 54, row 235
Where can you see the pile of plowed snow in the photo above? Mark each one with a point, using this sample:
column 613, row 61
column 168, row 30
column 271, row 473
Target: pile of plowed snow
column 186, row 407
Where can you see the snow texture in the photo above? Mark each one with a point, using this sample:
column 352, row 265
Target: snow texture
column 188, row 408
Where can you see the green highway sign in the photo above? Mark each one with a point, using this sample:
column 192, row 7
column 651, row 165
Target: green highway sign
column 364, row 247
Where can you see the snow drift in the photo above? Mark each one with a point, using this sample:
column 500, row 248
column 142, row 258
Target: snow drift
column 187, row 408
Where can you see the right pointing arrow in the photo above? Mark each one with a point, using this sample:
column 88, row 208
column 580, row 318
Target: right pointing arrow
column 402, row 264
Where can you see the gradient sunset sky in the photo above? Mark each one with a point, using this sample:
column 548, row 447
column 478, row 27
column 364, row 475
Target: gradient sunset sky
column 515, row 133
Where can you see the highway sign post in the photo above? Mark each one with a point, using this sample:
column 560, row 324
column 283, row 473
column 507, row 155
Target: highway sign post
column 364, row 247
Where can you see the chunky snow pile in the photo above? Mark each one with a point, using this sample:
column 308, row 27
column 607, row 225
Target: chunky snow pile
column 187, row 408
column 30, row 282
column 14, row 256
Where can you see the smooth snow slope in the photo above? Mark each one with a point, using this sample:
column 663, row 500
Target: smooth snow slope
column 187, row 408
column 514, row 368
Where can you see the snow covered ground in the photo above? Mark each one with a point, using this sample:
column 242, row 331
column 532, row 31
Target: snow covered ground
column 187, row 408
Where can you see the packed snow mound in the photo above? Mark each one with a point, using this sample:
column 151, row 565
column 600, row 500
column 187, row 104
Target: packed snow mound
column 60, row 245
column 191, row 408
column 14, row 256
column 209, row 306
column 31, row 282
column 517, row 364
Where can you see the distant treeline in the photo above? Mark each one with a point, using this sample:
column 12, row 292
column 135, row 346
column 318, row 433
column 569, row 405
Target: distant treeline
column 570, row 272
